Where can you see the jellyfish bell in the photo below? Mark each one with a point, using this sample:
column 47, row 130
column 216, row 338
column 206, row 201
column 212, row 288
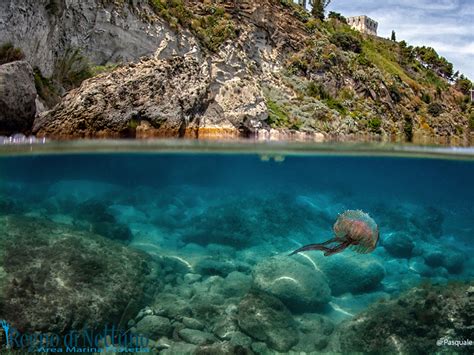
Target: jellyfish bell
column 353, row 228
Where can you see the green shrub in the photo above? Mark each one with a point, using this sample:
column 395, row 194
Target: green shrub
column 46, row 89
column 72, row 69
column 337, row 16
column 297, row 64
column 213, row 27
column 435, row 109
column 312, row 25
column 346, row 41
column 317, row 90
column 335, row 104
column 362, row 60
column 426, row 98
column 375, row 125
column 8, row 54
column 278, row 117
column 408, row 129
column 464, row 85
column 471, row 121
column 395, row 93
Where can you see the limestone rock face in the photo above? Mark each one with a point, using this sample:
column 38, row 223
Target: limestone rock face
column 17, row 97
column 105, row 32
column 166, row 94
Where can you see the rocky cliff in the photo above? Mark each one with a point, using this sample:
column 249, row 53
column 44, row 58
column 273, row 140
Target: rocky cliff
column 230, row 69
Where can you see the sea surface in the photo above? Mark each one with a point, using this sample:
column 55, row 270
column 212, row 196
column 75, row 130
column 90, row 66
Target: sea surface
column 188, row 245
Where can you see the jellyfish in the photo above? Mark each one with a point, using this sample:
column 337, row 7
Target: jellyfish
column 353, row 228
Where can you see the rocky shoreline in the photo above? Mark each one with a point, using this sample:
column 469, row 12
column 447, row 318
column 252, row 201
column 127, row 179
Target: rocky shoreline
column 274, row 78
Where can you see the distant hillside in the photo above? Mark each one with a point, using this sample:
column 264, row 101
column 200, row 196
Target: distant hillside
column 225, row 69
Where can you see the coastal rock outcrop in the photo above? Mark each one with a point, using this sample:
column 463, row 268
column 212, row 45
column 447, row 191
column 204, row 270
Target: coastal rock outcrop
column 166, row 94
column 262, row 69
column 17, row 97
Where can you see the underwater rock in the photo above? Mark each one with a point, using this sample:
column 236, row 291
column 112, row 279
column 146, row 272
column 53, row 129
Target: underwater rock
column 211, row 266
column 265, row 318
column 429, row 222
column 236, row 284
column 8, row 205
column 116, row 231
column 351, row 273
column 223, row 348
column 192, row 323
column 297, row 285
column 94, row 215
column 451, row 260
column 196, row 337
column 153, row 326
column 190, row 278
column 411, row 323
column 434, row 258
column 180, row 348
column 226, row 325
column 417, row 265
column 61, row 278
column 172, row 306
column 232, row 223
column 399, row 245
column 316, row 330
column 454, row 261
column 240, row 339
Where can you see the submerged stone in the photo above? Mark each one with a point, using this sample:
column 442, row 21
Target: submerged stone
column 412, row 323
column 299, row 286
column 197, row 337
column 316, row 330
column 399, row 245
column 153, row 326
column 351, row 273
column 265, row 318
column 451, row 259
column 61, row 279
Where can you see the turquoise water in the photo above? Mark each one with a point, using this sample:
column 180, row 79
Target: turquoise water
column 191, row 249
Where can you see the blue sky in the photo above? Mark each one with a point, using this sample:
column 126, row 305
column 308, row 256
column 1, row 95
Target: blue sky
column 445, row 25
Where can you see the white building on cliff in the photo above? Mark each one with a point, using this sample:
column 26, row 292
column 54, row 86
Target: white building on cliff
column 363, row 24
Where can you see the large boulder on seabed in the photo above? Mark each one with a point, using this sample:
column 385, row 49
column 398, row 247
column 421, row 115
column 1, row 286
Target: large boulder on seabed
column 299, row 286
column 57, row 279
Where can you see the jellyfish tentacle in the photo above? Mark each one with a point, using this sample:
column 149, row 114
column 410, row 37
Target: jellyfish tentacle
column 337, row 249
column 318, row 246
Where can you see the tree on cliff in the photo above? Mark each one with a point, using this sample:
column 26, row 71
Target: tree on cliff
column 394, row 36
column 318, row 8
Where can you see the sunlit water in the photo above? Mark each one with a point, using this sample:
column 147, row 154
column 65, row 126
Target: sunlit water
column 220, row 216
